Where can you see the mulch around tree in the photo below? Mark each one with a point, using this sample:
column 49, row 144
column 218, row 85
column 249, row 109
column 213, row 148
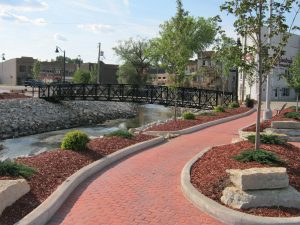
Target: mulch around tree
column 4, row 96
column 267, row 123
column 54, row 167
column 181, row 124
column 209, row 176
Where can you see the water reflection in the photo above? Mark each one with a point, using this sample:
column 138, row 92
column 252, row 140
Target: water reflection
column 35, row 144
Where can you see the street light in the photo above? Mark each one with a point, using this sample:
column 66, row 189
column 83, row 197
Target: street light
column 239, row 44
column 3, row 58
column 78, row 61
column 57, row 50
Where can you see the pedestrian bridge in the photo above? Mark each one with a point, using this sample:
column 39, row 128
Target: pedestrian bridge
column 149, row 94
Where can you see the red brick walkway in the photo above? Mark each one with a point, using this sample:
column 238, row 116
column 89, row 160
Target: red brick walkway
column 145, row 188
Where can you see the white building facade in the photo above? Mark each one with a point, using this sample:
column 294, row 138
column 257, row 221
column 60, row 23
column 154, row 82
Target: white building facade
column 280, row 90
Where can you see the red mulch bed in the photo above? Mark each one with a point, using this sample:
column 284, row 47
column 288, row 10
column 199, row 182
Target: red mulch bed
column 182, row 124
column 55, row 166
column 209, row 177
column 4, row 96
column 267, row 123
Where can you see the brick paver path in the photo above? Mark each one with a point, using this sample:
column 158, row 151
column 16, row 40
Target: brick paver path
column 145, row 188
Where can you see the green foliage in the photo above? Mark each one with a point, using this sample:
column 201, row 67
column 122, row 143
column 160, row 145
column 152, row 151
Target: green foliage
column 249, row 102
column 268, row 139
column 234, row 105
column 121, row 133
column 127, row 74
column 81, row 77
column 36, row 69
column 293, row 115
column 260, row 156
column 94, row 74
column 15, row 169
column 75, row 140
column 189, row 116
column 219, row 108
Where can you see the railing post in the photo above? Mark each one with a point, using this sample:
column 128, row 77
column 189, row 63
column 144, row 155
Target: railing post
column 199, row 98
column 217, row 97
column 151, row 93
column 108, row 92
column 96, row 92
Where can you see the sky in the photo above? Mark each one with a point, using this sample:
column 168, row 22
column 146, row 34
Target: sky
column 34, row 27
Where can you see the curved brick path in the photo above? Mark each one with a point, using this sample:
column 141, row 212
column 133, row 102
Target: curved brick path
column 145, row 188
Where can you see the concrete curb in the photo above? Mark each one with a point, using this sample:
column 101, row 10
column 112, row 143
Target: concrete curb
column 43, row 213
column 201, row 126
column 220, row 212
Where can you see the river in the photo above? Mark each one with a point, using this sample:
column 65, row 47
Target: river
column 35, row 144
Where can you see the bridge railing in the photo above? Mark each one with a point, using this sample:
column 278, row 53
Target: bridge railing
column 185, row 97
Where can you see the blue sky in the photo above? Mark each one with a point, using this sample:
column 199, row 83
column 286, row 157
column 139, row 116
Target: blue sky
column 35, row 27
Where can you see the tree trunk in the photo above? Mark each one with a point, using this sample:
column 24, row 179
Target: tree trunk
column 297, row 102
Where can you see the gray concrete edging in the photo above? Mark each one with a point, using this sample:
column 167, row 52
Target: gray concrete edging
column 201, row 126
column 43, row 213
column 220, row 212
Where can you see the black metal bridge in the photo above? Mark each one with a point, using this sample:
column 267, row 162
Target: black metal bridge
column 149, row 94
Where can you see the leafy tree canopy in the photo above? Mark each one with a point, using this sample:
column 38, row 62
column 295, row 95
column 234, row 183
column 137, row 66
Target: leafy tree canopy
column 127, row 74
column 81, row 76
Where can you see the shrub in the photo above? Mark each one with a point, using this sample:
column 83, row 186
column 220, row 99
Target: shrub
column 268, row 139
column 260, row 156
column 189, row 116
column 15, row 170
column 293, row 115
column 234, row 105
column 121, row 133
column 75, row 140
column 249, row 102
column 219, row 108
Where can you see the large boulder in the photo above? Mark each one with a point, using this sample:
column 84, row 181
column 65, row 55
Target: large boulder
column 259, row 178
column 238, row 199
column 11, row 191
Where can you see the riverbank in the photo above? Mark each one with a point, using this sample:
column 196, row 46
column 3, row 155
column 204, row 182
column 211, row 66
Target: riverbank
column 22, row 117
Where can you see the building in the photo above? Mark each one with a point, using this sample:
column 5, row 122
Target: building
column 280, row 90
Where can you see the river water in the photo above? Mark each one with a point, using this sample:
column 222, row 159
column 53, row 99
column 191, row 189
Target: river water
column 35, row 144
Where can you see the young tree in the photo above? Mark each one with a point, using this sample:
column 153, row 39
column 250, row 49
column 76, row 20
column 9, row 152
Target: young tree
column 180, row 38
column 127, row 74
column 292, row 76
column 94, row 74
column 264, row 55
column 81, row 77
column 134, row 52
column 36, row 69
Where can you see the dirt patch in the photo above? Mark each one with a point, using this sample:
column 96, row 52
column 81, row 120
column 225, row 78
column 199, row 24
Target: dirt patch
column 4, row 96
column 53, row 169
column 209, row 176
column 182, row 124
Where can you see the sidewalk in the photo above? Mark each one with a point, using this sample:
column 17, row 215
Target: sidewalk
column 145, row 188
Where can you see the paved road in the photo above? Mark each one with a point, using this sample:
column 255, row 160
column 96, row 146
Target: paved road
column 145, row 188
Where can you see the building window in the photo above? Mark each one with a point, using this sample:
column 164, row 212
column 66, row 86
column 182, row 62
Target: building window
column 164, row 77
column 203, row 63
column 22, row 69
column 285, row 92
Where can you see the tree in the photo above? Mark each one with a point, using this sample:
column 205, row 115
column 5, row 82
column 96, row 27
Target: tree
column 36, row 69
column 180, row 38
column 292, row 76
column 256, row 13
column 94, row 74
column 134, row 52
column 81, row 77
column 127, row 74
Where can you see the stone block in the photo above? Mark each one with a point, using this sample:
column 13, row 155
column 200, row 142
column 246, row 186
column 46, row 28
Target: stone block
column 11, row 191
column 285, row 125
column 259, row 178
column 286, row 197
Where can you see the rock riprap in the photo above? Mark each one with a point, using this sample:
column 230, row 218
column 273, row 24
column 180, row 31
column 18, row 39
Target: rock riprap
column 260, row 187
column 22, row 117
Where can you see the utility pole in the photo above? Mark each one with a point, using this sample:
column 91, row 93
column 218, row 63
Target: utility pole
column 98, row 71
column 268, row 111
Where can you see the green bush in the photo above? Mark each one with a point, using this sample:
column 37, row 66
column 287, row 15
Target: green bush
column 267, row 139
column 249, row 102
column 260, row 156
column 293, row 115
column 121, row 133
column 234, row 105
column 189, row 116
column 75, row 140
column 15, row 170
column 219, row 108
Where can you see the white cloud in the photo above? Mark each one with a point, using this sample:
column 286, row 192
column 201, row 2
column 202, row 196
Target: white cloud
column 8, row 16
column 59, row 37
column 96, row 28
column 126, row 2
column 23, row 5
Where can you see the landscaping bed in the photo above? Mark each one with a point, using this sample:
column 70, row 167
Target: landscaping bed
column 181, row 124
column 208, row 174
column 54, row 167
column 4, row 96
column 267, row 123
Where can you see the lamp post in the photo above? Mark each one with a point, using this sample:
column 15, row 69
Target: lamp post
column 79, row 61
column 3, row 58
column 239, row 44
column 57, row 50
column 268, row 111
